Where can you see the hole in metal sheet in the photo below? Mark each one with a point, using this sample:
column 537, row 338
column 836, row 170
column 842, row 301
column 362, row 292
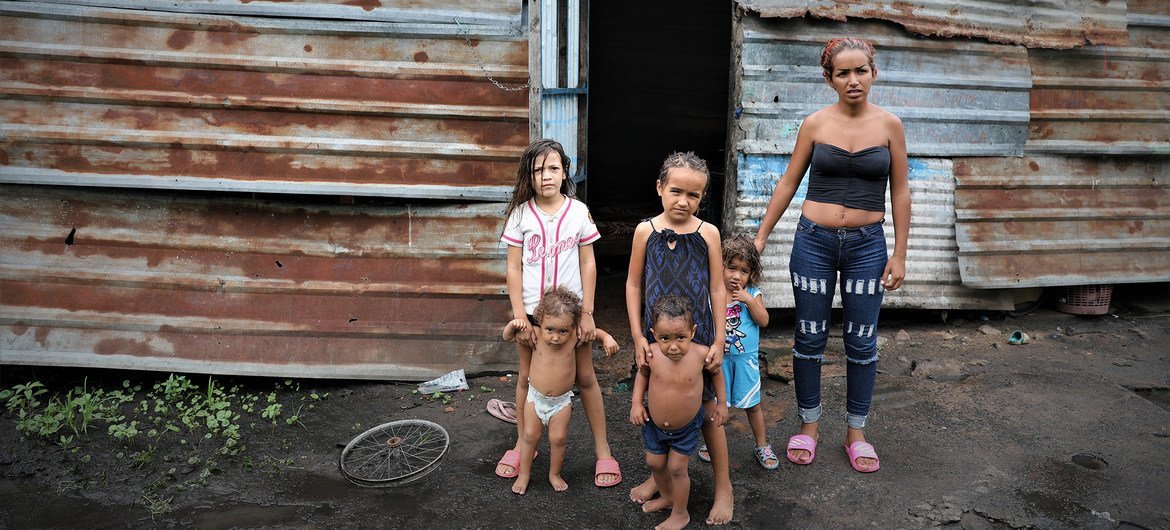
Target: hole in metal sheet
column 279, row 264
column 69, row 238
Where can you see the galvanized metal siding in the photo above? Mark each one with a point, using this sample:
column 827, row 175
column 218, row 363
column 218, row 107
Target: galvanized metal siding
column 1034, row 23
column 954, row 98
column 950, row 105
column 1105, row 100
column 93, row 96
column 249, row 287
column 126, row 107
column 1091, row 202
column 1041, row 221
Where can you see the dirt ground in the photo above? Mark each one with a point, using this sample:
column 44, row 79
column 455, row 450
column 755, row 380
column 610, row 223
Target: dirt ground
column 1070, row 430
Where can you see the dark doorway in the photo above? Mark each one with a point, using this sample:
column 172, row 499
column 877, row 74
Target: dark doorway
column 658, row 82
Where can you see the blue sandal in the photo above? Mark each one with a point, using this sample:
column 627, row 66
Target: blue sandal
column 764, row 455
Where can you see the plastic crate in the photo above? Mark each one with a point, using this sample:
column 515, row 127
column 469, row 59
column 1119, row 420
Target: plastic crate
column 1086, row 299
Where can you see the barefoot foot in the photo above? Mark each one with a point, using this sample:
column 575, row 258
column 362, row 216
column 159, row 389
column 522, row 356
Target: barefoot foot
column 521, row 485
column 721, row 509
column 656, row 505
column 558, row 483
column 644, row 491
column 676, row 521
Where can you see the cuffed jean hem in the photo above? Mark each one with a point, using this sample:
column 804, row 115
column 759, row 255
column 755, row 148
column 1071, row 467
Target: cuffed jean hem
column 812, row 415
column 855, row 421
column 799, row 355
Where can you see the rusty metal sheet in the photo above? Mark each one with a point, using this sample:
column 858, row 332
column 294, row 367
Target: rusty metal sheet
column 233, row 286
column 1036, row 23
column 480, row 12
column 932, row 263
column 1046, row 221
column 97, row 96
column 1106, row 100
column 954, row 97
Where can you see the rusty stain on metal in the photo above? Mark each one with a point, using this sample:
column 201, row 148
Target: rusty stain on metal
column 109, row 97
column 1057, row 24
column 362, row 99
column 156, row 282
column 1047, row 221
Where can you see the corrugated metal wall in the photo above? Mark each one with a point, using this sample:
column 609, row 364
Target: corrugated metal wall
column 385, row 99
column 948, row 102
column 1090, row 203
column 1034, row 23
column 1040, row 206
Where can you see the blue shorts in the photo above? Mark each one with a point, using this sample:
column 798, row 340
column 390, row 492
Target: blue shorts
column 741, row 373
column 683, row 441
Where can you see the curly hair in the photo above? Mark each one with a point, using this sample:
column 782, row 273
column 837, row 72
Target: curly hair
column 740, row 247
column 557, row 302
column 671, row 307
column 840, row 44
column 524, row 189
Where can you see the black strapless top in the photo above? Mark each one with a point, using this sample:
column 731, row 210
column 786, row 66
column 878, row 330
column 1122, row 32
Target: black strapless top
column 851, row 179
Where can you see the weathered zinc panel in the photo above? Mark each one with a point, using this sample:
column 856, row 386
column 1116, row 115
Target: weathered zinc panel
column 107, row 279
column 955, row 98
column 95, row 96
column 1091, row 201
column 1106, row 100
column 129, row 107
column 932, row 268
column 949, row 100
column 1041, row 221
column 1033, row 23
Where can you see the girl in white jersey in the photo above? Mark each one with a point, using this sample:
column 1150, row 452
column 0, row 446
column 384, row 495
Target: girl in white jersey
column 550, row 237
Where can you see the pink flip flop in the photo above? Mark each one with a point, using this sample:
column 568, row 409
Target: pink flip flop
column 607, row 466
column 502, row 410
column 801, row 442
column 860, row 449
column 512, row 458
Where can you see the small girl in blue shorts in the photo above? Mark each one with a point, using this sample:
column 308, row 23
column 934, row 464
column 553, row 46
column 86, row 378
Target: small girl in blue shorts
column 746, row 314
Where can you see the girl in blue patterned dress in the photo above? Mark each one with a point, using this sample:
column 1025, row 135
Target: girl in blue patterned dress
column 676, row 253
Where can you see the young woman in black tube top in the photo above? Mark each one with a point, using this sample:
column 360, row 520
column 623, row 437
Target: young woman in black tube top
column 853, row 149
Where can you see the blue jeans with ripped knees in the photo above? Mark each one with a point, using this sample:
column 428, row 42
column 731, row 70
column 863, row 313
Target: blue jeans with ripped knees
column 821, row 255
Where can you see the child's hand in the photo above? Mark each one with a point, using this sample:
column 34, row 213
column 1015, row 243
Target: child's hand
column 518, row 325
column 638, row 415
column 739, row 294
column 609, row 345
column 719, row 414
column 641, row 350
column 714, row 358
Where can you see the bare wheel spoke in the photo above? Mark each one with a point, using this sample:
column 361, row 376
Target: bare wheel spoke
column 392, row 453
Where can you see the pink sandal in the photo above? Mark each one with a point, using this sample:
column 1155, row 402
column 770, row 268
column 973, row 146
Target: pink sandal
column 860, row 449
column 606, row 466
column 512, row 458
column 802, row 442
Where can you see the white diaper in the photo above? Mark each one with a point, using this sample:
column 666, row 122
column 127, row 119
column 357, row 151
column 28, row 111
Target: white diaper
column 547, row 407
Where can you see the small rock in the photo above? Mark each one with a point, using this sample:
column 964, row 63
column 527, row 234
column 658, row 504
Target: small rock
column 979, row 362
column 995, row 345
column 881, row 341
column 901, row 336
column 986, row 329
column 449, row 410
column 903, row 359
column 503, row 379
